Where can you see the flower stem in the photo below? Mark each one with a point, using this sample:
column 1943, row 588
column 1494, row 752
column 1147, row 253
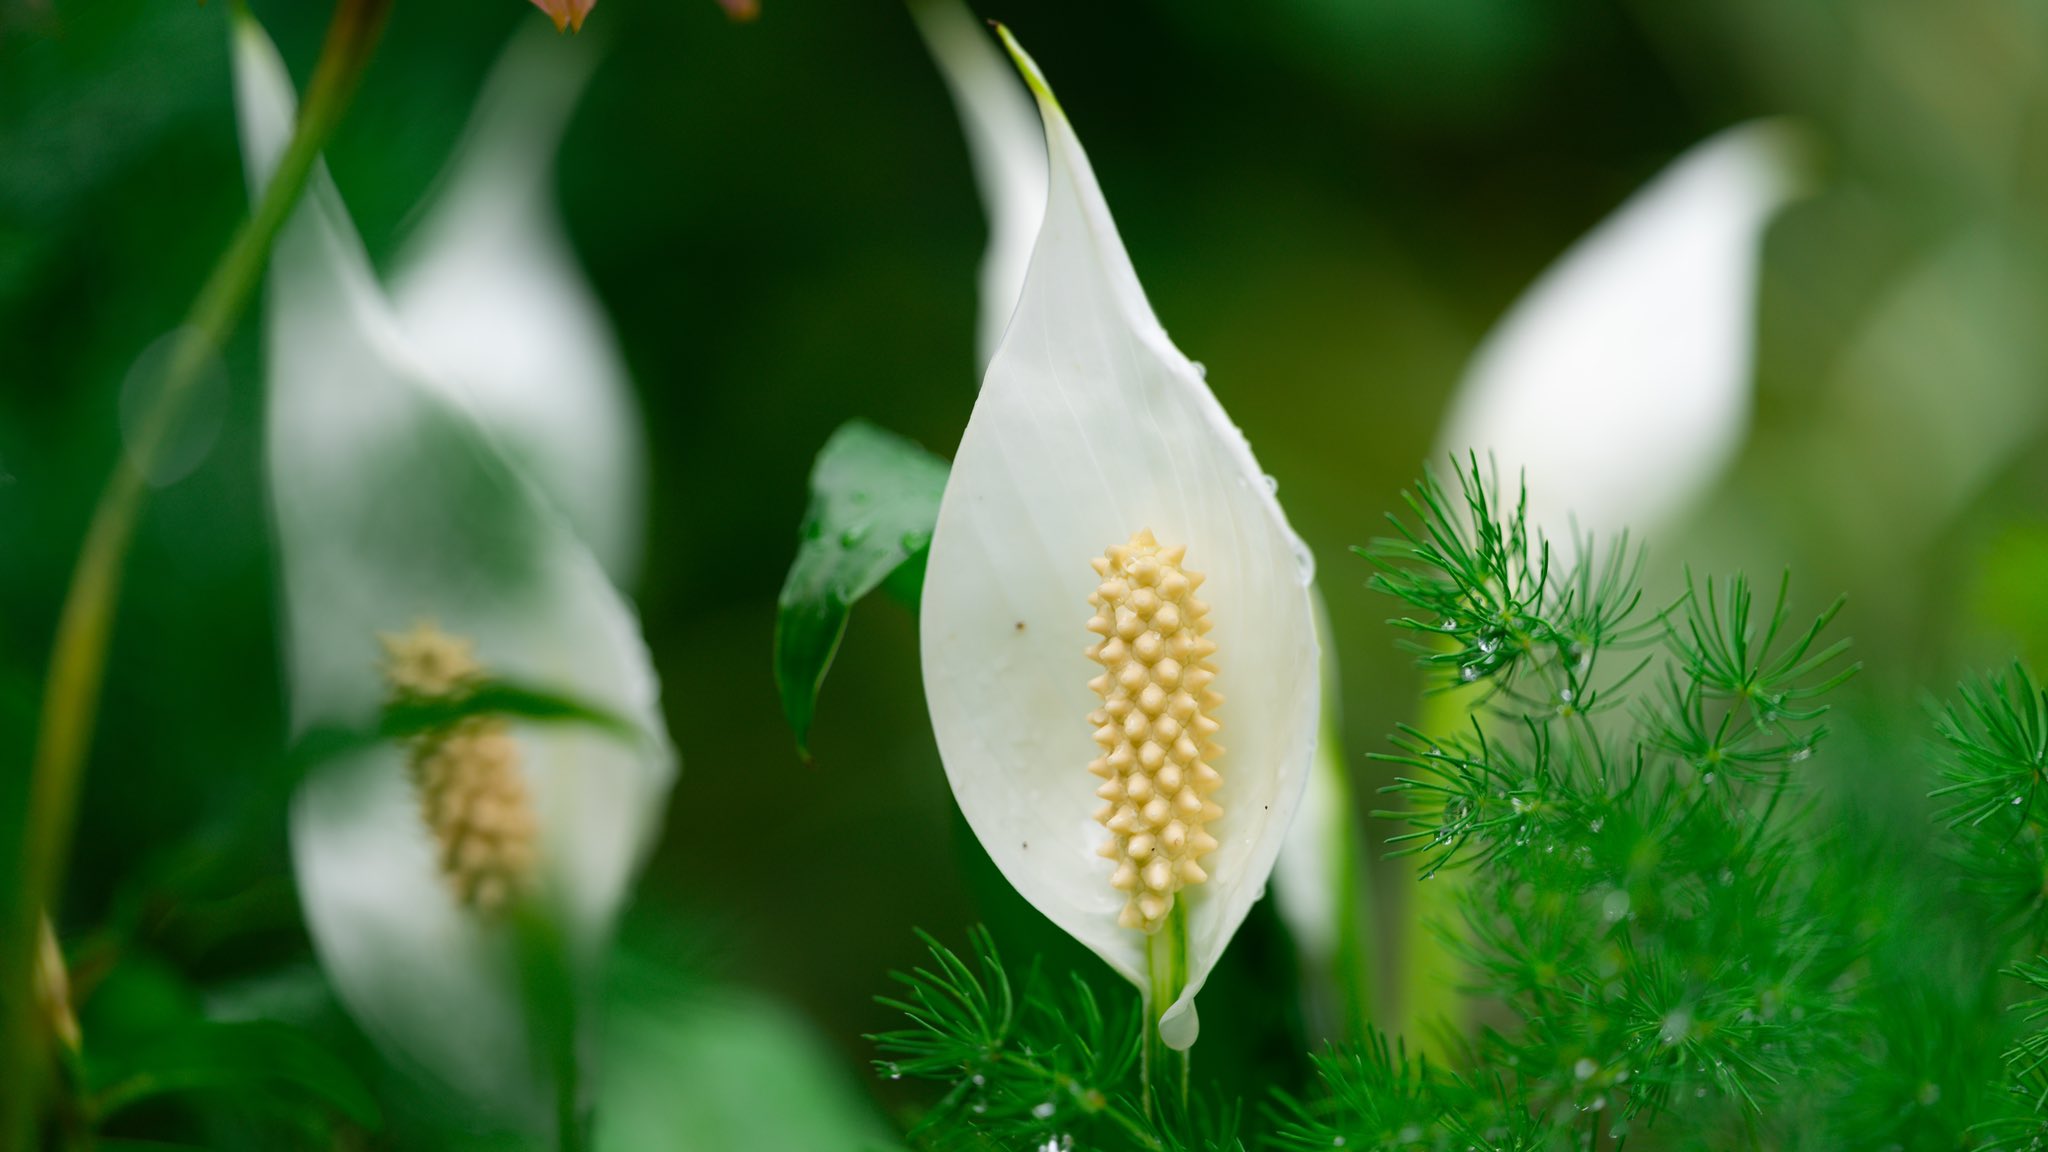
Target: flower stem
column 1428, row 999
column 548, row 984
column 1166, row 964
column 1354, row 947
column 85, row 623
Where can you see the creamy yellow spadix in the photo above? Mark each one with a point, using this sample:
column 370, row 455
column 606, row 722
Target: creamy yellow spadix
column 472, row 795
column 1155, row 725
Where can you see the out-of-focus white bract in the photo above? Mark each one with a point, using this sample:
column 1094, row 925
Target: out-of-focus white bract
column 488, row 290
column 1090, row 426
column 1620, row 383
column 391, row 505
column 1007, row 146
column 1311, row 873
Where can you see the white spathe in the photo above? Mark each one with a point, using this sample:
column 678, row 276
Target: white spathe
column 1005, row 144
column 1317, row 855
column 391, row 505
column 1620, row 383
column 489, row 291
column 1091, row 426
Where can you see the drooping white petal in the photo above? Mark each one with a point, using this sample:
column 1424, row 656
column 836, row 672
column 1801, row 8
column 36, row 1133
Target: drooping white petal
column 1007, row 147
column 1620, row 383
column 1091, row 426
column 391, row 506
column 1311, row 872
column 488, row 290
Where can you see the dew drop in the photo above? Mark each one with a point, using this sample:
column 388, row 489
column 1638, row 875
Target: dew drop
column 166, row 459
column 852, row 537
column 1614, row 905
column 1304, row 560
column 1677, row 1025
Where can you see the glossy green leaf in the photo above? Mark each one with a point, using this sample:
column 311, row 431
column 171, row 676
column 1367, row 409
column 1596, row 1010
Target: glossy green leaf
column 696, row 1067
column 874, row 498
column 263, row 1059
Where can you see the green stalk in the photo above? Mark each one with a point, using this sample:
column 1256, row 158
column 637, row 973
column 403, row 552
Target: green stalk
column 1166, row 969
column 1354, row 962
column 85, row 624
column 1428, row 999
column 553, row 1008
column 1354, row 949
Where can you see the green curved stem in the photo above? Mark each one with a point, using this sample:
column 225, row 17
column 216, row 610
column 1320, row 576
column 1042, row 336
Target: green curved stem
column 1166, row 965
column 85, row 624
column 1429, row 999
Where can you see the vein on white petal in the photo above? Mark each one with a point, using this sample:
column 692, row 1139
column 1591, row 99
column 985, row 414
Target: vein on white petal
column 490, row 291
column 1091, row 426
column 1621, row 380
column 1006, row 145
column 391, row 505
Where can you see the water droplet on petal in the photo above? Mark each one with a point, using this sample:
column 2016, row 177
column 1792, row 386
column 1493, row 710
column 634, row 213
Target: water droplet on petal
column 166, row 452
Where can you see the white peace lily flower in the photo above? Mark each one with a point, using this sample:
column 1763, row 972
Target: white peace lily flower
column 489, row 291
column 1007, row 147
column 405, row 536
column 1620, row 383
column 1098, row 489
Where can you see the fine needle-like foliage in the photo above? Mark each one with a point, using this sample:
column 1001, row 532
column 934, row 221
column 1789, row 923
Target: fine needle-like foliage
column 1996, row 739
column 1042, row 1064
column 1629, row 800
column 1680, row 927
column 1658, row 928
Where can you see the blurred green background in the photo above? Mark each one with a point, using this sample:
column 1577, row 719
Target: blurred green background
column 1329, row 202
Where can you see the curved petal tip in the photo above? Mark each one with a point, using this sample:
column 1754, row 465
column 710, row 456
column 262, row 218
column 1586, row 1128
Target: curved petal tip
column 1180, row 1025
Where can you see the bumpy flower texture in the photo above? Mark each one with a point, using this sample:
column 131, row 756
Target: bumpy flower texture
column 1113, row 597
column 417, row 562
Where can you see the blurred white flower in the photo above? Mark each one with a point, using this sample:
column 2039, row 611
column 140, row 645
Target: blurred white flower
column 1099, row 484
column 1620, row 383
column 393, row 507
column 1007, row 147
column 490, row 293
column 1316, row 876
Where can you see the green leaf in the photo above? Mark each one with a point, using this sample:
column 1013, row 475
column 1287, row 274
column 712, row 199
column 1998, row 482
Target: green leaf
column 692, row 1066
column 498, row 698
column 405, row 718
column 874, row 499
column 260, row 1058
